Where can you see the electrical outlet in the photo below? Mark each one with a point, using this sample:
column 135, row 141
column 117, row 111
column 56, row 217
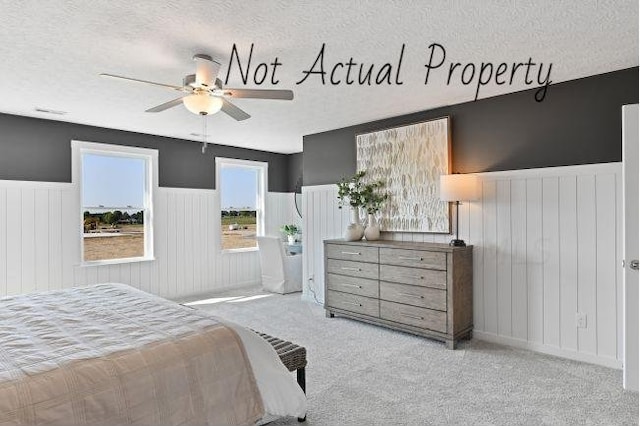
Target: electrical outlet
column 581, row 320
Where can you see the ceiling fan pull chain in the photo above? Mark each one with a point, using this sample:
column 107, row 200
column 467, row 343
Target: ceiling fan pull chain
column 204, row 134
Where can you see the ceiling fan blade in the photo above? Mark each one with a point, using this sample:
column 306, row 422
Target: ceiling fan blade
column 206, row 70
column 233, row 111
column 166, row 105
column 137, row 80
column 285, row 95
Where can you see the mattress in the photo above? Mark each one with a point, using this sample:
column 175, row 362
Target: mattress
column 111, row 354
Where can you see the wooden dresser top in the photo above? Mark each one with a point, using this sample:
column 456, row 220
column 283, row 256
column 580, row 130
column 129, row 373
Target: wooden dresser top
column 400, row 245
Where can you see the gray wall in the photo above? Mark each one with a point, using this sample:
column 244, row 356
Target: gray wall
column 579, row 122
column 40, row 150
column 295, row 172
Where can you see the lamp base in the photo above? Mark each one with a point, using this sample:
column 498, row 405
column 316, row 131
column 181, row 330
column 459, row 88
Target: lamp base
column 457, row 243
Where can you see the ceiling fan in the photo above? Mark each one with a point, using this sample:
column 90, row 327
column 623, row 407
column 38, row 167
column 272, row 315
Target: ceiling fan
column 203, row 94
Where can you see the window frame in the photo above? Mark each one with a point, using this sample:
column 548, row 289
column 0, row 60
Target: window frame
column 78, row 148
column 262, row 187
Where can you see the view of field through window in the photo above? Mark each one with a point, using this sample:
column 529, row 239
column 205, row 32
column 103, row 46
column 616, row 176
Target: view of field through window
column 238, row 199
column 113, row 189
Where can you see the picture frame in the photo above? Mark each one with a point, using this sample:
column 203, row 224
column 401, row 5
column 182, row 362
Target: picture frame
column 410, row 159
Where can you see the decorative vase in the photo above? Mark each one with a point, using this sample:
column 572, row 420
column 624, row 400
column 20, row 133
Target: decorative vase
column 372, row 231
column 355, row 230
column 291, row 239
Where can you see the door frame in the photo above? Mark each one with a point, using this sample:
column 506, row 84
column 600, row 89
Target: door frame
column 630, row 185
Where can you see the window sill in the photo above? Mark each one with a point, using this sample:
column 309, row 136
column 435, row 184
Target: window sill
column 117, row 261
column 239, row 250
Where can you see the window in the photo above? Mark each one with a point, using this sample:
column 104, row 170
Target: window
column 115, row 189
column 242, row 187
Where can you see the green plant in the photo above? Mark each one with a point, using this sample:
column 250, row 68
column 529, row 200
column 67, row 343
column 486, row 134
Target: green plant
column 373, row 198
column 354, row 192
column 290, row 229
column 350, row 190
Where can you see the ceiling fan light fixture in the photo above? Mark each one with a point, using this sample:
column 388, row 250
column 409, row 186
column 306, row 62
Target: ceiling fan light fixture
column 203, row 93
column 202, row 103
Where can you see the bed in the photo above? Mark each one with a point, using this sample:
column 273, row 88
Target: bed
column 110, row 354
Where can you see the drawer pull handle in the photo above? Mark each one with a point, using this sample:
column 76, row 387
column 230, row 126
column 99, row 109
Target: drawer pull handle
column 417, row 296
column 346, row 268
column 355, row 253
column 420, row 259
column 412, row 316
column 353, row 303
column 352, row 285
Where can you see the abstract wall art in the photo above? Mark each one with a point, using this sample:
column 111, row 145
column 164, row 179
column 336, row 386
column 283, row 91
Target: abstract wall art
column 410, row 160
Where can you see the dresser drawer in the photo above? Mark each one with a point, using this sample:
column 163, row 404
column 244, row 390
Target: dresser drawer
column 352, row 252
column 412, row 315
column 424, row 297
column 414, row 258
column 354, row 269
column 347, row 284
column 353, row 303
column 414, row 276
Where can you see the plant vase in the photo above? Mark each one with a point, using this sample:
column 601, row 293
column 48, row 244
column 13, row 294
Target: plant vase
column 291, row 239
column 372, row 231
column 355, row 230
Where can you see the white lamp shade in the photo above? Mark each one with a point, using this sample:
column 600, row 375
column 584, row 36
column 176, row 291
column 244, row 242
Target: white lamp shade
column 458, row 187
column 202, row 104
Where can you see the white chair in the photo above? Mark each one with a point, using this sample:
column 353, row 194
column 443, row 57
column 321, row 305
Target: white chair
column 280, row 273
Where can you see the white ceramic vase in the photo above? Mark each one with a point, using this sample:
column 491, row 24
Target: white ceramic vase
column 372, row 231
column 291, row 239
column 355, row 230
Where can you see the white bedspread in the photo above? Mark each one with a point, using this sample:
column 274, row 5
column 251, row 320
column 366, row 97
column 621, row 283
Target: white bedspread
column 281, row 394
column 110, row 354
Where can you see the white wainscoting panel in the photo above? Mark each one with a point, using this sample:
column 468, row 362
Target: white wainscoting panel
column 546, row 247
column 40, row 242
column 322, row 219
column 281, row 210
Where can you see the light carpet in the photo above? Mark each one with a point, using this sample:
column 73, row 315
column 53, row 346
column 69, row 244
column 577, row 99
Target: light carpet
column 360, row 374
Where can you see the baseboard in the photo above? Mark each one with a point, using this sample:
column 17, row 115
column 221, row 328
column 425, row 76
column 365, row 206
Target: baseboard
column 548, row 350
column 240, row 285
column 308, row 297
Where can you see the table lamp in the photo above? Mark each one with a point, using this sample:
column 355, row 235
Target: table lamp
column 457, row 188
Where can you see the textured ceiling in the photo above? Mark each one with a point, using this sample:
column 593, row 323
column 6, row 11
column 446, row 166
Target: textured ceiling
column 52, row 53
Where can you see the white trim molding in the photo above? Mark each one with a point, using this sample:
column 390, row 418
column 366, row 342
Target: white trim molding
column 548, row 350
column 150, row 157
column 262, row 186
